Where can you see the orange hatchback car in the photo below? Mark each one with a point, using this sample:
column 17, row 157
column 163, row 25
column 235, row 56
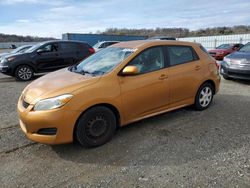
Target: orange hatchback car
column 123, row 83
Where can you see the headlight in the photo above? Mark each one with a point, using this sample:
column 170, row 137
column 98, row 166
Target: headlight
column 11, row 58
column 52, row 103
column 220, row 53
column 227, row 60
column 3, row 60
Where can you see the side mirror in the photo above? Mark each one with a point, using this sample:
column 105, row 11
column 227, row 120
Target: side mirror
column 130, row 70
column 39, row 51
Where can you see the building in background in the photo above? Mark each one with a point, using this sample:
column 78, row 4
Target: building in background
column 92, row 39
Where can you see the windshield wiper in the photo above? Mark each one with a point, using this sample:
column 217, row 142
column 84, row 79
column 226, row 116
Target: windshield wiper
column 85, row 72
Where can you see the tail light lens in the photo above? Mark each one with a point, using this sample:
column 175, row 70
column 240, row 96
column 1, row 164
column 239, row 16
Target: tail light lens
column 91, row 50
column 217, row 65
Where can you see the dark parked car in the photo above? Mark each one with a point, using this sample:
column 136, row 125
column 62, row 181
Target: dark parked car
column 221, row 51
column 44, row 57
column 20, row 49
column 237, row 64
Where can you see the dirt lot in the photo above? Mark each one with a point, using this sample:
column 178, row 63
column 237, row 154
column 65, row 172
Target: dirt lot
column 183, row 148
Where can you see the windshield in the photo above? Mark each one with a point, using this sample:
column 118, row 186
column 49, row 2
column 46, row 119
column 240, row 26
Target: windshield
column 97, row 45
column 224, row 46
column 245, row 48
column 33, row 48
column 103, row 61
column 21, row 49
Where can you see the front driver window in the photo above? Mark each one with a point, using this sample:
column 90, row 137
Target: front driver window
column 50, row 48
column 149, row 60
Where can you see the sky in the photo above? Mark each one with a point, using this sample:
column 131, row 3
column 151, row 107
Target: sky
column 51, row 18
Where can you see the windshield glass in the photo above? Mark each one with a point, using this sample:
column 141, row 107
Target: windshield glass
column 33, row 48
column 245, row 48
column 103, row 61
column 224, row 46
column 97, row 45
column 21, row 49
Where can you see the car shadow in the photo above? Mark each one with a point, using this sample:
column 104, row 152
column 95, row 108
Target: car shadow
column 172, row 138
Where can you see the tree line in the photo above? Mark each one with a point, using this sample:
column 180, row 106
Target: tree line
column 18, row 38
column 172, row 32
column 179, row 32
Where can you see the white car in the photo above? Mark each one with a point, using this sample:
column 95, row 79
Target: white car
column 103, row 44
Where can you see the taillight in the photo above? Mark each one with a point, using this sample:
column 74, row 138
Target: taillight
column 91, row 50
column 217, row 65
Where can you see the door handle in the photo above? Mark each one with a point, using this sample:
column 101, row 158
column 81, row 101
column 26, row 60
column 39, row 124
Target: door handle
column 197, row 67
column 163, row 77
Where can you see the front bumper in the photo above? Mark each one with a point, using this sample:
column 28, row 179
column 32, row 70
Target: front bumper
column 5, row 69
column 31, row 122
column 236, row 73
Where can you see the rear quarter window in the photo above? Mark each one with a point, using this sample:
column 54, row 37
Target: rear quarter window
column 204, row 49
column 84, row 46
column 69, row 46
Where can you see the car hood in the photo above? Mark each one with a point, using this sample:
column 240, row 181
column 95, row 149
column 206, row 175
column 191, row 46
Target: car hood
column 55, row 84
column 16, row 55
column 239, row 55
column 3, row 54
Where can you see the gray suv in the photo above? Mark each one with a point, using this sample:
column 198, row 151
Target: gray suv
column 237, row 64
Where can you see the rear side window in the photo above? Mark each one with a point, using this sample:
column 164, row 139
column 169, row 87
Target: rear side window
column 181, row 54
column 69, row 46
column 84, row 46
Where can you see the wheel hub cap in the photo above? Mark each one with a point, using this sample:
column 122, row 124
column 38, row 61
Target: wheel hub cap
column 97, row 127
column 205, row 96
column 25, row 73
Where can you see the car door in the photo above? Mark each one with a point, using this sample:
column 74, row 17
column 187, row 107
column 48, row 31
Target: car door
column 70, row 53
column 185, row 74
column 48, row 58
column 147, row 92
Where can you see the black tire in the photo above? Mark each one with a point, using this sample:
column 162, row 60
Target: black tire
column 204, row 96
column 96, row 127
column 24, row 73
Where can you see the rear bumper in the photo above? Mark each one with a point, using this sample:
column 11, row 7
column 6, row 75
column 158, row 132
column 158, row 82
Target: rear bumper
column 235, row 73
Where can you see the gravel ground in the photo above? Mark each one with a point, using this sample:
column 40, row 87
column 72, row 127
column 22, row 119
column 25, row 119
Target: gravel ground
column 183, row 148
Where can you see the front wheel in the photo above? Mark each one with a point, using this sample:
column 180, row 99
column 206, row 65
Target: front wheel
column 24, row 73
column 204, row 96
column 96, row 127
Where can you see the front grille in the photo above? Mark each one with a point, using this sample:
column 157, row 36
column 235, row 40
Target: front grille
column 25, row 104
column 47, row 131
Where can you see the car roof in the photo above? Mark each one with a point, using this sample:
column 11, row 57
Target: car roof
column 74, row 41
column 108, row 41
column 144, row 43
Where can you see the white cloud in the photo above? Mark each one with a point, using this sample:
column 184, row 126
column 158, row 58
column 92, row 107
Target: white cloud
column 90, row 16
column 14, row 2
column 23, row 21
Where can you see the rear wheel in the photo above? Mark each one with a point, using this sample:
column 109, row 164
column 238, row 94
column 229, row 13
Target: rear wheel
column 204, row 96
column 96, row 127
column 24, row 73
